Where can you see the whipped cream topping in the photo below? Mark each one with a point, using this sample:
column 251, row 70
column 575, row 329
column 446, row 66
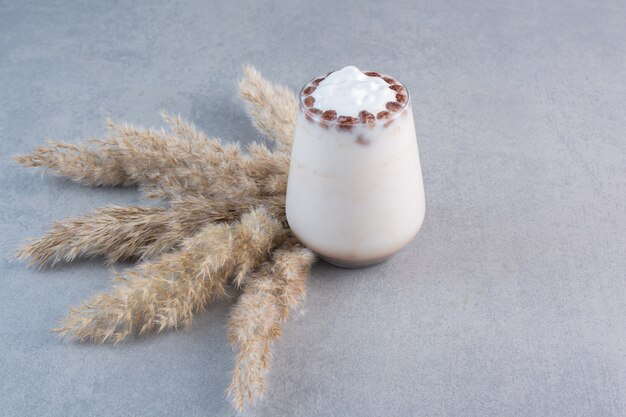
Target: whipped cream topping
column 349, row 91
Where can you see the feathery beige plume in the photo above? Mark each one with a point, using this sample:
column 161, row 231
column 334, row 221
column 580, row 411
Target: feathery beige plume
column 270, row 292
column 166, row 164
column 114, row 232
column 272, row 107
column 135, row 232
column 77, row 162
column 164, row 293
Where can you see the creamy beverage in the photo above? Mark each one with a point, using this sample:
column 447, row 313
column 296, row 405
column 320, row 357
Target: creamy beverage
column 355, row 194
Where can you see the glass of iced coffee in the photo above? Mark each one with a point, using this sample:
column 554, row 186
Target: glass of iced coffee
column 355, row 194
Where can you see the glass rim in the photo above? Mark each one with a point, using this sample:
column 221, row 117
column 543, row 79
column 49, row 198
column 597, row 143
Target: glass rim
column 318, row 117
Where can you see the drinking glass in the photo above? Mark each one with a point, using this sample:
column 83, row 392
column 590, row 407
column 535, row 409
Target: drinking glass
column 355, row 194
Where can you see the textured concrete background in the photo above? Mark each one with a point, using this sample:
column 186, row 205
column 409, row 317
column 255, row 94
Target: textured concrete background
column 510, row 302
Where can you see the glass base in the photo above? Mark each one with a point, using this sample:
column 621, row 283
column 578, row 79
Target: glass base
column 352, row 264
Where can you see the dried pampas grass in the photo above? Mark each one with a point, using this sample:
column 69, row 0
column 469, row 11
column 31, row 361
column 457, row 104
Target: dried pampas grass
column 223, row 224
column 165, row 292
column 271, row 291
column 272, row 107
column 167, row 163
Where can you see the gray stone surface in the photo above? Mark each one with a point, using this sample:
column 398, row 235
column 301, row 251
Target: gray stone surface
column 510, row 302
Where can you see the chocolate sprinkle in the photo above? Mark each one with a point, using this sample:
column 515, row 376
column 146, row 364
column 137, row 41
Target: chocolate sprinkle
column 383, row 115
column 393, row 106
column 309, row 101
column 362, row 141
column 366, row 117
column 346, row 122
column 329, row 115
